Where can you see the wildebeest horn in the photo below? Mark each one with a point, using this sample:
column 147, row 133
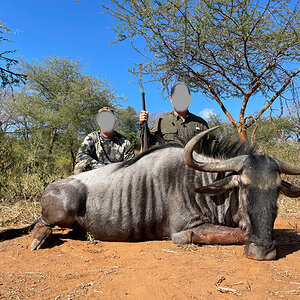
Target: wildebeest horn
column 287, row 168
column 232, row 164
column 289, row 189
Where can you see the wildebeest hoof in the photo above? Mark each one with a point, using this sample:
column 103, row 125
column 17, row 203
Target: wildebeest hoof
column 36, row 244
column 40, row 233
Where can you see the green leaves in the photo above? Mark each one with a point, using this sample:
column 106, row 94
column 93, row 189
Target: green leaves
column 57, row 107
column 59, row 95
column 128, row 125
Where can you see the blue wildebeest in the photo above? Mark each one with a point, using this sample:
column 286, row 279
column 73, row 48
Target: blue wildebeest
column 177, row 193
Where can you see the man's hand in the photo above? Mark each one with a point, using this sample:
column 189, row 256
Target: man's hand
column 144, row 116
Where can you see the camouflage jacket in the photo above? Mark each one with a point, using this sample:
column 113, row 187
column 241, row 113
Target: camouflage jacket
column 97, row 151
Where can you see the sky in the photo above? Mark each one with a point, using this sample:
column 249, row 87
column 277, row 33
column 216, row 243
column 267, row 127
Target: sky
column 77, row 29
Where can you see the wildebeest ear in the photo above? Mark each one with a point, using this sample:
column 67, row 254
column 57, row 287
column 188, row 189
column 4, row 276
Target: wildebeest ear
column 220, row 186
column 289, row 189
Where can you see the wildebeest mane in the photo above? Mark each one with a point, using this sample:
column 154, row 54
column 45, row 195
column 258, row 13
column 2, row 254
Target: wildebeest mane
column 222, row 149
column 148, row 151
column 227, row 149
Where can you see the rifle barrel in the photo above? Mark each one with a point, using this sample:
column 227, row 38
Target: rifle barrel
column 145, row 125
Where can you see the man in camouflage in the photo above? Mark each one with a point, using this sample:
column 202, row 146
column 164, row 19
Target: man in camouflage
column 180, row 125
column 103, row 147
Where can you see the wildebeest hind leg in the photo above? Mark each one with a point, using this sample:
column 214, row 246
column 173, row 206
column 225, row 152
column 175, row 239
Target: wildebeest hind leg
column 209, row 234
column 41, row 232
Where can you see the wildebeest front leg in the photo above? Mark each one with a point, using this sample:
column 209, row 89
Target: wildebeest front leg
column 209, row 234
column 41, row 232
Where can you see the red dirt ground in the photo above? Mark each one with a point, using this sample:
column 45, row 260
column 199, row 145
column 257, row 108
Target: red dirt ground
column 75, row 269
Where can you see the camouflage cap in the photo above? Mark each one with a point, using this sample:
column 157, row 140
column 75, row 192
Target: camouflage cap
column 105, row 108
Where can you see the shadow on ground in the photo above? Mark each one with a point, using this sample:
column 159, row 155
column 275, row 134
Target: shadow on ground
column 288, row 242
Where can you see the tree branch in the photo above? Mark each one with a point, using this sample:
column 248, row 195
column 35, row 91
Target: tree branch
column 277, row 94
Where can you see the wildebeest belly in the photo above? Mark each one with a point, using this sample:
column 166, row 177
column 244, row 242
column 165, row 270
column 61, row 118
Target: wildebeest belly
column 125, row 220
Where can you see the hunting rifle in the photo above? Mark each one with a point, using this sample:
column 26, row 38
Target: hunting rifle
column 145, row 139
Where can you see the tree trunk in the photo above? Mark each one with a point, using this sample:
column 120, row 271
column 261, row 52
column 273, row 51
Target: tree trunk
column 53, row 135
column 243, row 136
column 242, row 131
column 73, row 158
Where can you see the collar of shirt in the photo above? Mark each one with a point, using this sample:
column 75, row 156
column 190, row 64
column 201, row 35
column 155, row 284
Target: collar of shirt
column 178, row 118
column 105, row 138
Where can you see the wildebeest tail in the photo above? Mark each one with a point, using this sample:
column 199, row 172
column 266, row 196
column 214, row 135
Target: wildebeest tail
column 9, row 234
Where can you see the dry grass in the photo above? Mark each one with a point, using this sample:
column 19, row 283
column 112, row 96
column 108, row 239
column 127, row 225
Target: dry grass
column 19, row 214
column 289, row 208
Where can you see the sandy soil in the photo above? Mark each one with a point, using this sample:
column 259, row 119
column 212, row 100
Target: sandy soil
column 73, row 268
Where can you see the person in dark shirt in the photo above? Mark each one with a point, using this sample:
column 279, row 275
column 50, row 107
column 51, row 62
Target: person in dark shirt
column 180, row 125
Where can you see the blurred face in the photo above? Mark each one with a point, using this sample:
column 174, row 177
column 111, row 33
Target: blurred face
column 181, row 99
column 106, row 121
